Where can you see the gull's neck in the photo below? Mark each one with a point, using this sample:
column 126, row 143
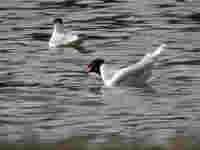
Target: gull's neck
column 107, row 79
column 58, row 28
column 102, row 72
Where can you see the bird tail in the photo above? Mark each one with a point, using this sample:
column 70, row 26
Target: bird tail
column 151, row 57
column 158, row 51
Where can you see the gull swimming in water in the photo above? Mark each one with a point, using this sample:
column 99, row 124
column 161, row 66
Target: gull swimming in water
column 134, row 74
column 61, row 38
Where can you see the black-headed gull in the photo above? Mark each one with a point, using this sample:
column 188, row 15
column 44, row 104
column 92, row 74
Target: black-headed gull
column 61, row 38
column 137, row 73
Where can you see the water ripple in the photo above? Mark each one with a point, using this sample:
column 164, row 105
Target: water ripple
column 46, row 94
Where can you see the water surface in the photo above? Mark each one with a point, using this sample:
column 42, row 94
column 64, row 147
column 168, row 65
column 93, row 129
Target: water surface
column 46, row 95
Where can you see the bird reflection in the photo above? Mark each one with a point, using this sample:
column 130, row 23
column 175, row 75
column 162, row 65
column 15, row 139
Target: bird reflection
column 145, row 89
column 95, row 90
column 82, row 50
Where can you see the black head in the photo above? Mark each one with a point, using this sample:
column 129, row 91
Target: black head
column 95, row 65
column 58, row 20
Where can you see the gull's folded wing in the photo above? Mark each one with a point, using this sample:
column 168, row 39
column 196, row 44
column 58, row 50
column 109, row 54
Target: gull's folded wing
column 144, row 65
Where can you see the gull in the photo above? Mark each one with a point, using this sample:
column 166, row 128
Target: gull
column 134, row 74
column 61, row 38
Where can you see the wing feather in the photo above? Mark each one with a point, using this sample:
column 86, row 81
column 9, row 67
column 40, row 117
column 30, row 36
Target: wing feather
column 140, row 68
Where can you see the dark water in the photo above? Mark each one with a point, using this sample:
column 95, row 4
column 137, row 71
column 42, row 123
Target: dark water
column 46, row 95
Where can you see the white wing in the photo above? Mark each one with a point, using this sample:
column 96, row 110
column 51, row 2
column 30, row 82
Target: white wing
column 139, row 70
column 70, row 37
column 60, row 39
column 107, row 72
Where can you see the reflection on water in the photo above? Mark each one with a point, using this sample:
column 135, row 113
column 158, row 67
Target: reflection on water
column 46, row 94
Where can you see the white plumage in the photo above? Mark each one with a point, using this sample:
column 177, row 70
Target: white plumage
column 134, row 74
column 59, row 37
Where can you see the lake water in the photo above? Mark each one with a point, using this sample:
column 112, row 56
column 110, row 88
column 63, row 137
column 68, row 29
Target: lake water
column 46, row 95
